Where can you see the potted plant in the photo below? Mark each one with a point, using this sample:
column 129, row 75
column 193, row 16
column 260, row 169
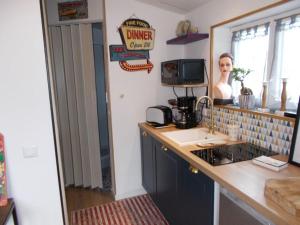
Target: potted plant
column 246, row 98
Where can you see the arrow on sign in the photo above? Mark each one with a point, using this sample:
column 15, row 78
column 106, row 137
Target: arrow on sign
column 131, row 68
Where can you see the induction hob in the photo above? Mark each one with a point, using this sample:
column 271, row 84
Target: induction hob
column 226, row 154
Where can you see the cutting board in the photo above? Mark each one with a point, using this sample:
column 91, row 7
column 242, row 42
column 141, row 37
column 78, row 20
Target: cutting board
column 285, row 192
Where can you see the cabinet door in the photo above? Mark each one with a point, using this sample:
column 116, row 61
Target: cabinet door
column 231, row 213
column 148, row 164
column 167, row 174
column 196, row 197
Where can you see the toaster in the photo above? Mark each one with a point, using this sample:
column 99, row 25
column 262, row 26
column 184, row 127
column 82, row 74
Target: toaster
column 159, row 115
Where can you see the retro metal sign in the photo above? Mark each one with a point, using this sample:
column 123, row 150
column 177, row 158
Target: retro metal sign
column 138, row 38
column 72, row 9
column 137, row 34
column 137, row 67
column 120, row 53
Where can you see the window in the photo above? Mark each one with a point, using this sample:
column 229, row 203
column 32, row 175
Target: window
column 250, row 48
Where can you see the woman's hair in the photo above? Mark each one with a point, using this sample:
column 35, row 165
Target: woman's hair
column 224, row 55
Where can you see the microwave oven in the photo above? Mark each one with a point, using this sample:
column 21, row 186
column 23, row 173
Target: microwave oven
column 182, row 71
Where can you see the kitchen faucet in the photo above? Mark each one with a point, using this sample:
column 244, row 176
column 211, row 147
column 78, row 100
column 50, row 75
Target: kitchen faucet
column 211, row 127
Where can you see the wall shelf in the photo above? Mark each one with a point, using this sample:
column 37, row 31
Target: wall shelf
column 185, row 85
column 190, row 37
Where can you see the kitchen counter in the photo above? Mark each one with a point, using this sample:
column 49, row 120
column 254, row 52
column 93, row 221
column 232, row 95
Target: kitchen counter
column 244, row 179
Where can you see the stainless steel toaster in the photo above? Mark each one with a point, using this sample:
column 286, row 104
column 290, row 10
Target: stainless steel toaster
column 159, row 115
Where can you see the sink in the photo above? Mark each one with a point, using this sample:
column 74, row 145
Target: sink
column 195, row 136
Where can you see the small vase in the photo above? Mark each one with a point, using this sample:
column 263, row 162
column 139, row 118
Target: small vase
column 247, row 101
column 264, row 95
column 283, row 95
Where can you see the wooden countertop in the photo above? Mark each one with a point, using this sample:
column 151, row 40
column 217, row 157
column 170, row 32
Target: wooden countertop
column 244, row 179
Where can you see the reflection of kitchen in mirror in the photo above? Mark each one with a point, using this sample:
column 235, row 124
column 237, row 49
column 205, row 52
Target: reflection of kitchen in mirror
column 265, row 47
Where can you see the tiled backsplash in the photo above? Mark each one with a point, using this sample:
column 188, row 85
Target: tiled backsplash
column 265, row 131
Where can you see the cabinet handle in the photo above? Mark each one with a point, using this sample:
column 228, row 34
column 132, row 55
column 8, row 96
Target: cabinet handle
column 145, row 134
column 164, row 148
column 193, row 169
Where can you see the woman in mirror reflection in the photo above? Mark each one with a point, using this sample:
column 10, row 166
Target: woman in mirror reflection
column 222, row 90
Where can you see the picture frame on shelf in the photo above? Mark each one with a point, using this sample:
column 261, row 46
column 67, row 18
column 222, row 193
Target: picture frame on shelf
column 294, row 157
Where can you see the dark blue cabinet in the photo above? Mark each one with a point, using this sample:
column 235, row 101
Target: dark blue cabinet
column 167, row 183
column 184, row 197
column 196, row 196
column 148, row 164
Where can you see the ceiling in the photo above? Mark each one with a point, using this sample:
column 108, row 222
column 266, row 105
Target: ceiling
column 179, row 6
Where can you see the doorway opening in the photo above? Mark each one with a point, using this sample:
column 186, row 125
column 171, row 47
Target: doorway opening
column 76, row 57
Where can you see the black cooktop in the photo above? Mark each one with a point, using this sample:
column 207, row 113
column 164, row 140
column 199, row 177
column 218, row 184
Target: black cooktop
column 226, row 154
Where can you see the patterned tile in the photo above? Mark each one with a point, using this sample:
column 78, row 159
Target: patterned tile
column 267, row 132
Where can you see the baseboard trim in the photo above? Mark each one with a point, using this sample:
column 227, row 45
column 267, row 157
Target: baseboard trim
column 130, row 194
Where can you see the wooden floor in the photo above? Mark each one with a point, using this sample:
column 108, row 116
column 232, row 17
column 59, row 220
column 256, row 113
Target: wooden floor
column 79, row 198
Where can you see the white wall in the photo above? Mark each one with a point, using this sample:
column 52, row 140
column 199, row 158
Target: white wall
column 25, row 115
column 132, row 92
column 95, row 12
column 222, row 43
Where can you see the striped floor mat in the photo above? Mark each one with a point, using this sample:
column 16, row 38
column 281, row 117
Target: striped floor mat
column 138, row 210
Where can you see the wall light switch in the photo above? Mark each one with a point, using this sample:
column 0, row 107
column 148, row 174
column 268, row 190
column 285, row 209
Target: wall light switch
column 30, row 152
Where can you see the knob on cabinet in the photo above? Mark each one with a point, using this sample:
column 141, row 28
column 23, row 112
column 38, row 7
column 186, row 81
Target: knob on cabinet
column 193, row 169
column 164, row 148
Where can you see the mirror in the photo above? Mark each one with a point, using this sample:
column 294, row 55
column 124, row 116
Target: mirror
column 295, row 145
column 221, row 36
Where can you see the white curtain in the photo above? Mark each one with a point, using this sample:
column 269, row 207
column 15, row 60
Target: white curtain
column 250, row 50
column 286, row 62
column 74, row 73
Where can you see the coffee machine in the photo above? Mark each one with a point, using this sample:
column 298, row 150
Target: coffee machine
column 186, row 117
